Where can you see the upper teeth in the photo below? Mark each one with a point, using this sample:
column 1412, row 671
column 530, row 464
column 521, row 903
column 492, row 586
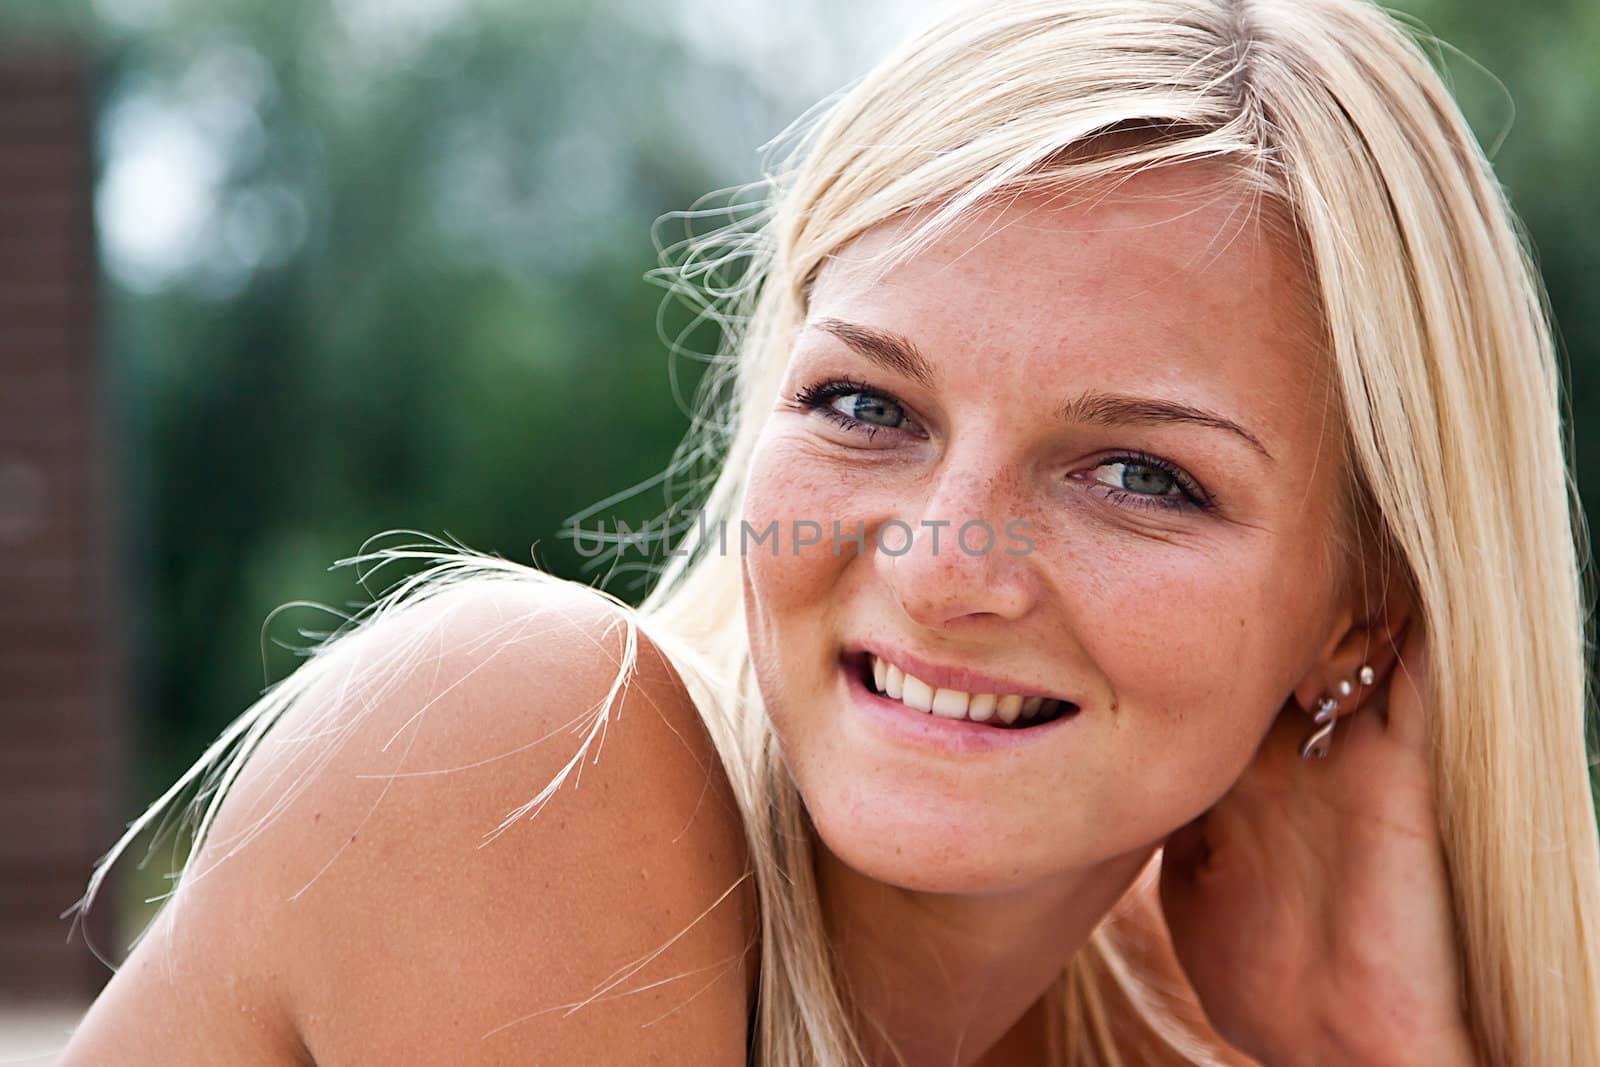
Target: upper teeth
column 952, row 703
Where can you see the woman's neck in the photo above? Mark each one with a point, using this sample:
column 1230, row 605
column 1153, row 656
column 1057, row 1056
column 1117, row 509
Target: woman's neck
column 937, row 980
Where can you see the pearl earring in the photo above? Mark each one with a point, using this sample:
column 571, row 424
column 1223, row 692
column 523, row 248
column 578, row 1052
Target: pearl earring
column 1325, row 715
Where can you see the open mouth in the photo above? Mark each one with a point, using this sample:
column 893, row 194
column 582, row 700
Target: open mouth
column 1002, row 711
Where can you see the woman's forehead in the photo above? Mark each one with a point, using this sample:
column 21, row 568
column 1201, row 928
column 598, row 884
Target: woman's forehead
column 1183, row 219
column 1158, row 259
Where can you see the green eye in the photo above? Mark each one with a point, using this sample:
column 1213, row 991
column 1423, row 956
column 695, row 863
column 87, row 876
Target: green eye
column 1143, row 479
column 869, row 408
column 857, row 407
column 1137, row 480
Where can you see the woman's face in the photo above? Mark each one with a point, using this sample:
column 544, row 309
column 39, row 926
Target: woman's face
column 1123, row 398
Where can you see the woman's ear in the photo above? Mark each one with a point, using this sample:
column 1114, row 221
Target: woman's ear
column 1368, row 632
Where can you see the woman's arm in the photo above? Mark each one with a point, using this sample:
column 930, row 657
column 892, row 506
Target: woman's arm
column 365, row 924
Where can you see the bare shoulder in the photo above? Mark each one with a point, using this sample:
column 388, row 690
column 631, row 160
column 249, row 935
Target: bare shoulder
column 406, row 905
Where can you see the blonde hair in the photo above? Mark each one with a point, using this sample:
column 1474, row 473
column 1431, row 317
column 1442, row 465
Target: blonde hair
column 1442, row 358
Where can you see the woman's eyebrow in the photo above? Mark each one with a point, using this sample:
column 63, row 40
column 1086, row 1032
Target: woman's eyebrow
column 884, row 347
column 897, row 353
column 1106, row 409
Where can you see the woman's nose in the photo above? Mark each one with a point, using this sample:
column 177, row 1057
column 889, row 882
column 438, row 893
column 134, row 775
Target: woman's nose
column 962, row 558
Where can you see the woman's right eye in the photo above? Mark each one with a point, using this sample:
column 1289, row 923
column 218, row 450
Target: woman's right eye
column 854, row 406
column 865, row 407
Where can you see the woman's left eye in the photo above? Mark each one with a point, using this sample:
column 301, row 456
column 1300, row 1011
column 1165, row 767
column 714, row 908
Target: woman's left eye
column 1146, row 481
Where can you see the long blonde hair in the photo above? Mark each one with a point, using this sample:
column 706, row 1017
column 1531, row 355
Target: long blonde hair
column 1444, row 362
column 1443, row 358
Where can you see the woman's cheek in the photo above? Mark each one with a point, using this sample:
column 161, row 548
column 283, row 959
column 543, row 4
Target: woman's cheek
column 792, row 501
column 1190, row 691
column 1174, row 629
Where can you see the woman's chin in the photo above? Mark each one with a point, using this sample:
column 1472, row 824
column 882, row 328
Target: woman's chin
column 932, row 853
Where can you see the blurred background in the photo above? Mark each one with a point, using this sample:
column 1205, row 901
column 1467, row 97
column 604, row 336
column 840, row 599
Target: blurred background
column 279, row 275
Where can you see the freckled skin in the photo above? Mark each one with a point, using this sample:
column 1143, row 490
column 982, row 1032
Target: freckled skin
column 1180, row 633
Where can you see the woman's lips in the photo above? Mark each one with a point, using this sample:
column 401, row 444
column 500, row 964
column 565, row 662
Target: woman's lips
column 925, row 729
column 994, row 707
column 945, row 676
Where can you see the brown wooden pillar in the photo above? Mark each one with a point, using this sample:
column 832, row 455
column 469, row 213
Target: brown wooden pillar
column 61, row 729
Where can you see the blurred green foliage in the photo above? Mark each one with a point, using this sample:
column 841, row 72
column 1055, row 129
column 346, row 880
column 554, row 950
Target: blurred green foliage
column 415, row 298
column 418, row 302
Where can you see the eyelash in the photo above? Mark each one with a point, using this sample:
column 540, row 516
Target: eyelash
column 816, row 397
column 1193, row 496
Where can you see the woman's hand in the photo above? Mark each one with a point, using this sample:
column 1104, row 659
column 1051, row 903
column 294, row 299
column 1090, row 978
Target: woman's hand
column 1310, row 907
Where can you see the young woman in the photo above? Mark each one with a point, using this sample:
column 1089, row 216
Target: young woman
column 1137, row 619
